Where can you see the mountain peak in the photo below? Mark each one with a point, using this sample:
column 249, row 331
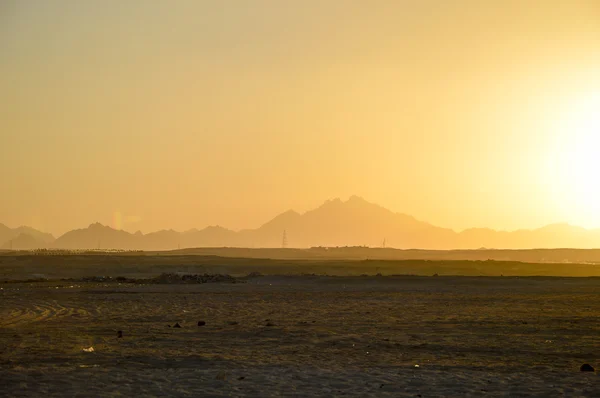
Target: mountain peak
column 96, row 225
column 356, row 199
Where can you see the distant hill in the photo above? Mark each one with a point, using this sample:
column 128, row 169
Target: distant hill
column 354, row 222
column 24, row 242
column 98, row 236
column 24, row 238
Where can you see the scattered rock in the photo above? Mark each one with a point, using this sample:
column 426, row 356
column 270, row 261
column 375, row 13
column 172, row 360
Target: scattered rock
column 177, row 325
column 435, row 274
column 270, row 324
column 241, row 378
column 201, row 323
column 233, row 323
column 587, row 368
column 91, row 349
column 119, row 334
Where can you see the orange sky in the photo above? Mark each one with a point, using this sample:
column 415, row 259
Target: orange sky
column 150, row 115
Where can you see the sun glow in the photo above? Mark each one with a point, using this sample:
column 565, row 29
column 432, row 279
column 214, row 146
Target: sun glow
column 575, row 164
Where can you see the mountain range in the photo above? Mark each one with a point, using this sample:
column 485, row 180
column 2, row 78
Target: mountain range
column 355, row 222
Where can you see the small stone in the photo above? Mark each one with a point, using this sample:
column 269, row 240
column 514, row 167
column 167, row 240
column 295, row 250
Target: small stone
column 270, row 324
column 119, row 334
column 241, row 378
column 233, row 323
column 201, row 323
column 177, row 325
column 587, row 368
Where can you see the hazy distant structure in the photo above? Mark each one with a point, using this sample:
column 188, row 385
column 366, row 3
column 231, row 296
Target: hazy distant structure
column 284, row 240
column 383, row 245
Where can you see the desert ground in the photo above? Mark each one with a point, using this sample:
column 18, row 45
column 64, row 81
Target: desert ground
column 297, row 335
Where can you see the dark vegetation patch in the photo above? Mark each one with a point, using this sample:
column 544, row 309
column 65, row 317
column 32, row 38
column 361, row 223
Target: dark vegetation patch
column 165, row 278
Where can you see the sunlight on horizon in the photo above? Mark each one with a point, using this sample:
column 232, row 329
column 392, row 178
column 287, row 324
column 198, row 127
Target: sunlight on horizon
column 574, row 165
column 462, row 114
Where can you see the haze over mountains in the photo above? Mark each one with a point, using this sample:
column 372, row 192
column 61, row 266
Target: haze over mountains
column 354, row 222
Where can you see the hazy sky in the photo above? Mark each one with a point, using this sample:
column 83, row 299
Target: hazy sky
column 180, row 114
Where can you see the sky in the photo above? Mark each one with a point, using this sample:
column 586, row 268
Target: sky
column 181, row 114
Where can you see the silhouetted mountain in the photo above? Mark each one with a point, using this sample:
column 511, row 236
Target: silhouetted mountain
column 24, row 241
column 214, row 236
column 38, row 235
column 38, row 239
column 97, row 236
column 354, row 222
column 550, row 236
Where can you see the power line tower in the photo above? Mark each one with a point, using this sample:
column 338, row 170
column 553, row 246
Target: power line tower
column 284, row 240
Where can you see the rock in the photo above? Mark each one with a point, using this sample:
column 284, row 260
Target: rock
column 177, row 325
column 119, row 334
column 201, row 323
column 587, row 368
column 233, row 323
column 270, row 324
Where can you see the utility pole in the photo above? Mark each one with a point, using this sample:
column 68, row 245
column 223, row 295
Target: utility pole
column 284, row 240
column 383, row 243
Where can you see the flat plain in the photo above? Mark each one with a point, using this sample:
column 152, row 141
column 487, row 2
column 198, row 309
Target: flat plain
column 302, row 335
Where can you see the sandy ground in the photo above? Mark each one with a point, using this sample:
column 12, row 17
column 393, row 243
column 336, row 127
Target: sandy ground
column 303, row 336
